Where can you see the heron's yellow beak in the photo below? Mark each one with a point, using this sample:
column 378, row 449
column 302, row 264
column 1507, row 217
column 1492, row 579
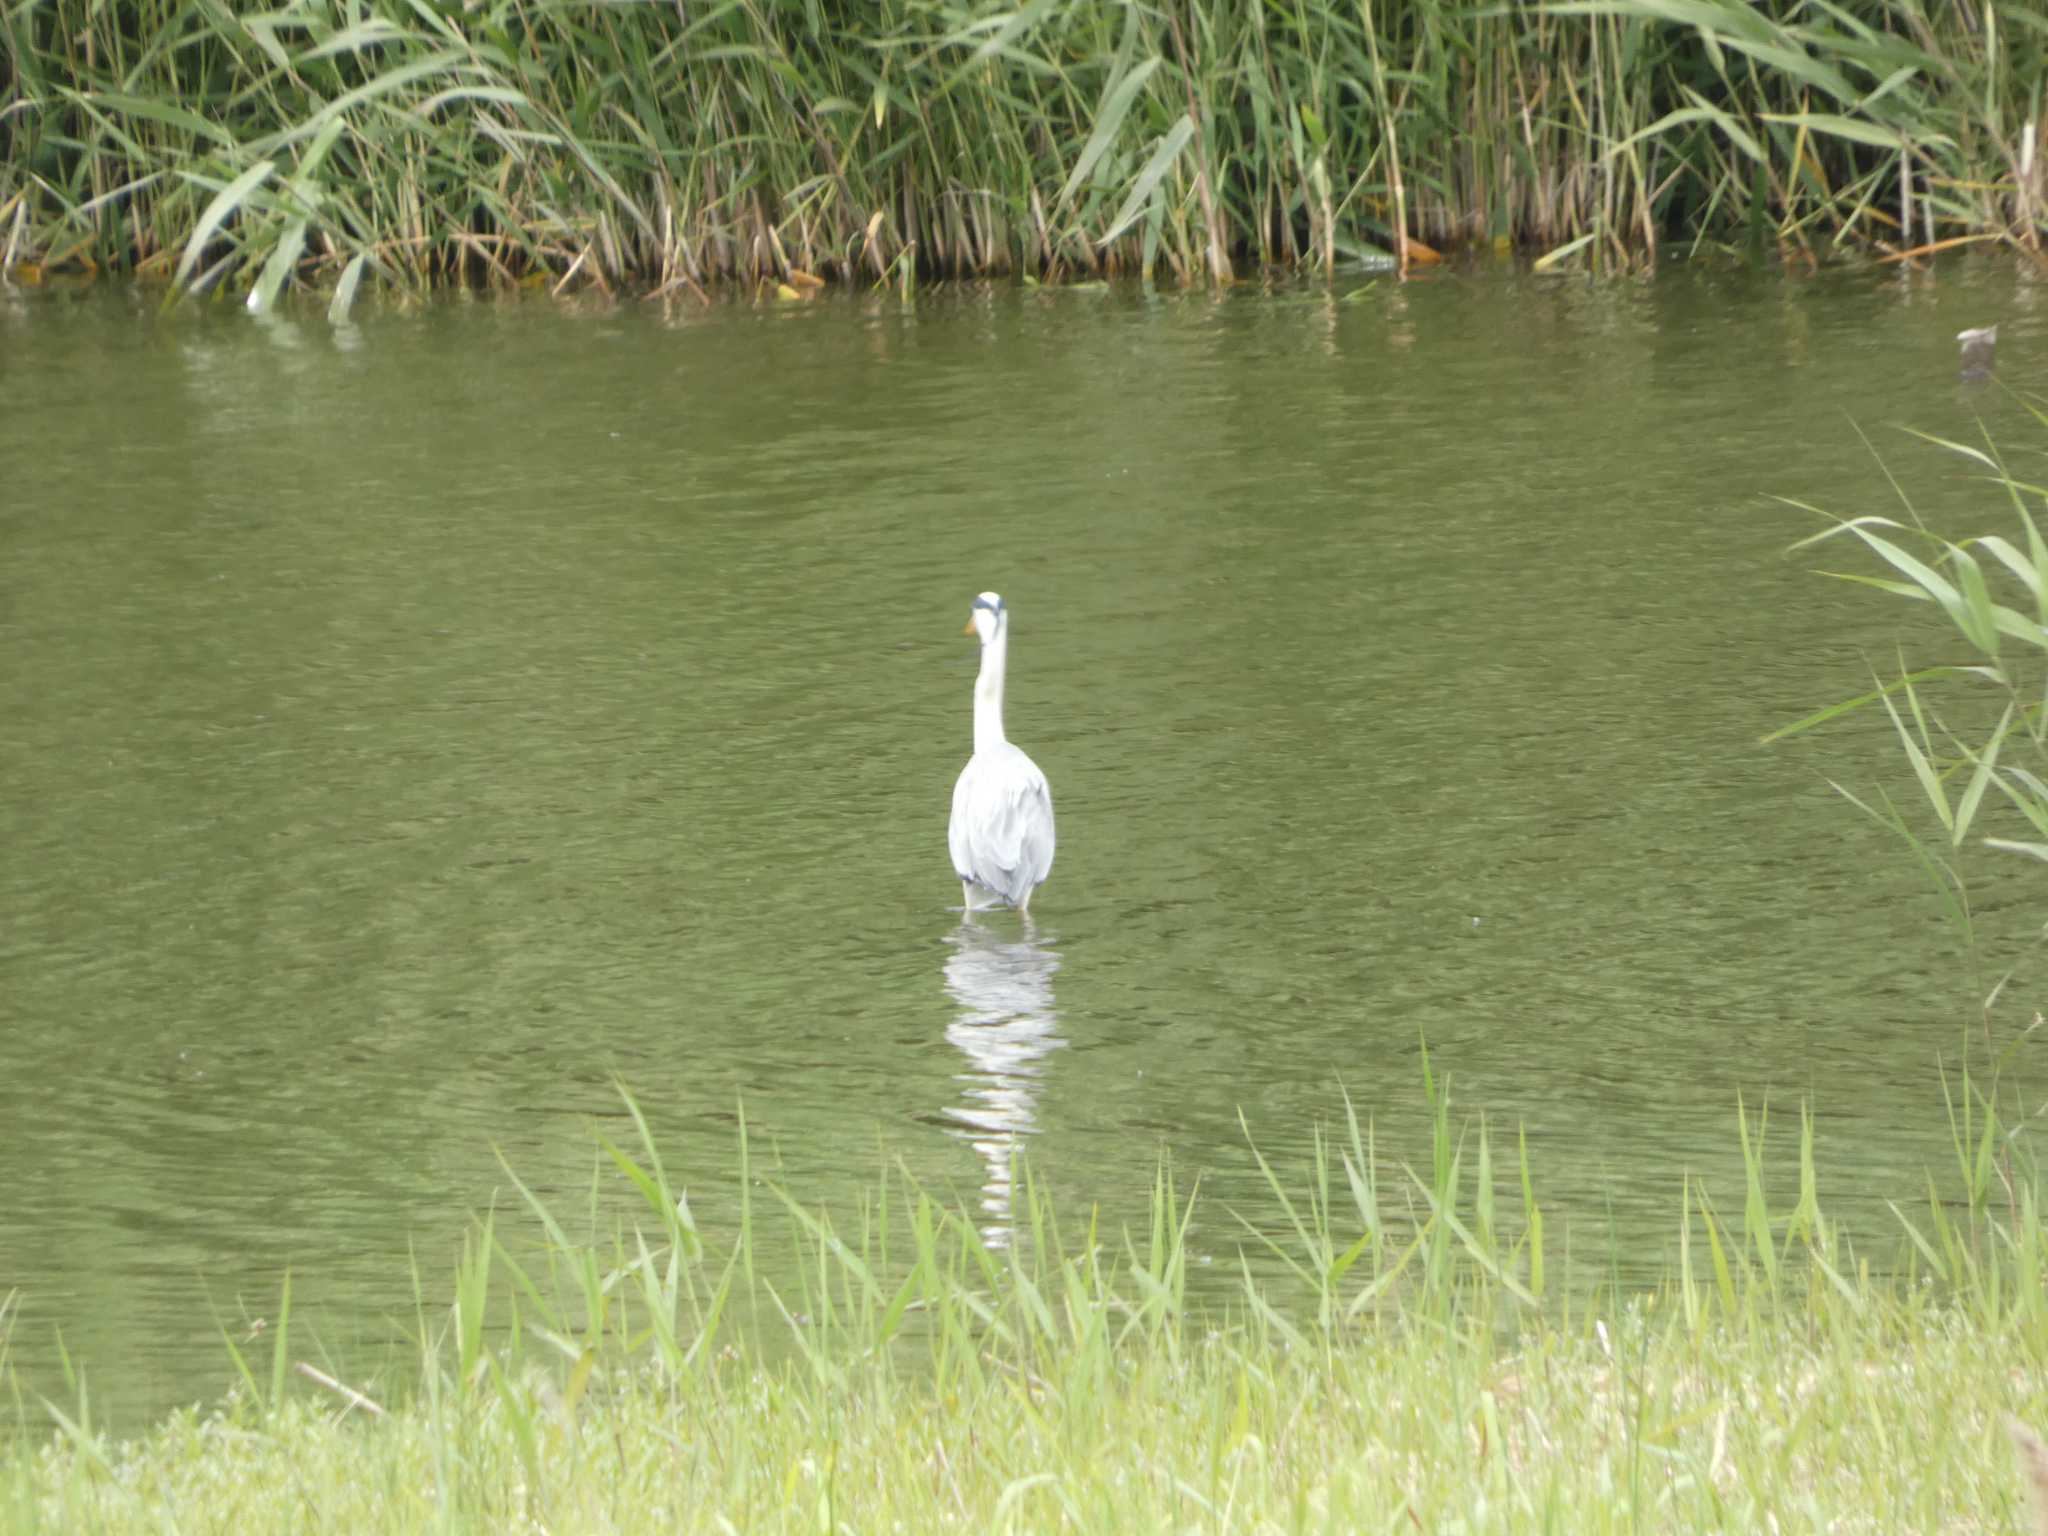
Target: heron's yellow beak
column 969, row 629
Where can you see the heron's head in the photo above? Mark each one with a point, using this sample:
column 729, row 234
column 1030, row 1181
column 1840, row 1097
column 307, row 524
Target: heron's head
column 986, row 617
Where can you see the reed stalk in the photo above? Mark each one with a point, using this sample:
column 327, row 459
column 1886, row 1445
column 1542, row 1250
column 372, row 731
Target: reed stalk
column 653, row 146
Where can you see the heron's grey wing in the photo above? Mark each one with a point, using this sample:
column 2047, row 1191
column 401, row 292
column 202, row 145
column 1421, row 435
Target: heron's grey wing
column 1018, row 836
column 1038, row 831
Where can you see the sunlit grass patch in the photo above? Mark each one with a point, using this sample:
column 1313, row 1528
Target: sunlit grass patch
column 1423, row 1372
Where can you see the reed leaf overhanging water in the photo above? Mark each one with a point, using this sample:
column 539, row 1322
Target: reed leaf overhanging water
column 677, row 145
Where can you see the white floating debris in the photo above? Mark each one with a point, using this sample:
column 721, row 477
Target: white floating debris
column 1978, row 344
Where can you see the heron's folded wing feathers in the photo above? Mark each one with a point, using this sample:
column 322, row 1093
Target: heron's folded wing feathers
column 1002, row 832
column 1020, row 829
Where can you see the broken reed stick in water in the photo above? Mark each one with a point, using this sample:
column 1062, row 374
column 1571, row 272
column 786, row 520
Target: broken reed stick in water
column 355, row 1399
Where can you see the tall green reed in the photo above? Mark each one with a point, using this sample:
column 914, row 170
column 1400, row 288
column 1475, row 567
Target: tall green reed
column 765, row 140
column 1992, row 595
column 1973, row 732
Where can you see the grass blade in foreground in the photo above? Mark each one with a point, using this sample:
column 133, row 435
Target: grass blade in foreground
column 1052, row 1389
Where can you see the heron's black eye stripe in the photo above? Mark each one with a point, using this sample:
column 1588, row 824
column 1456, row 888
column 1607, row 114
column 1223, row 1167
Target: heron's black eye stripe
column 994, row 607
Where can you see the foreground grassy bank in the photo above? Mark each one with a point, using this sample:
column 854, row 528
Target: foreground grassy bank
column 1429, row 1371
column 1886, row 1423
column 776, row 139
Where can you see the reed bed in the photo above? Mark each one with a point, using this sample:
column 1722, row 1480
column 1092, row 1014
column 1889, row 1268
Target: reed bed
column 664, row 146
column 1437, row 1369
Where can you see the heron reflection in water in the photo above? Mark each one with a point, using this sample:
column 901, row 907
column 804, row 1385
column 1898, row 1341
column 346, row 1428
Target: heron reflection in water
column 1007, row 1024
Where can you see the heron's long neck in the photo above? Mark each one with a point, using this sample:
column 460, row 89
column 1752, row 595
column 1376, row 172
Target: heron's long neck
column 988, row 693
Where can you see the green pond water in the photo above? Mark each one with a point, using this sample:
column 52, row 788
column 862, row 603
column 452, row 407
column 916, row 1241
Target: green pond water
column 407, row 730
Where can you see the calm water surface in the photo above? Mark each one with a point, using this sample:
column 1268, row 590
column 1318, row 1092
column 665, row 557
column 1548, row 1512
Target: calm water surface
column 408, row 729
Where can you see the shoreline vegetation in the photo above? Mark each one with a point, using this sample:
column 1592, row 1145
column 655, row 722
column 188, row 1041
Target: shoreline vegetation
column 669, row 148
column 1438, row 1368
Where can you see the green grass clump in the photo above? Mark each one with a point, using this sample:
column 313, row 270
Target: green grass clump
column 1892, row 1423
column 674, row 146
column 913, row 1375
